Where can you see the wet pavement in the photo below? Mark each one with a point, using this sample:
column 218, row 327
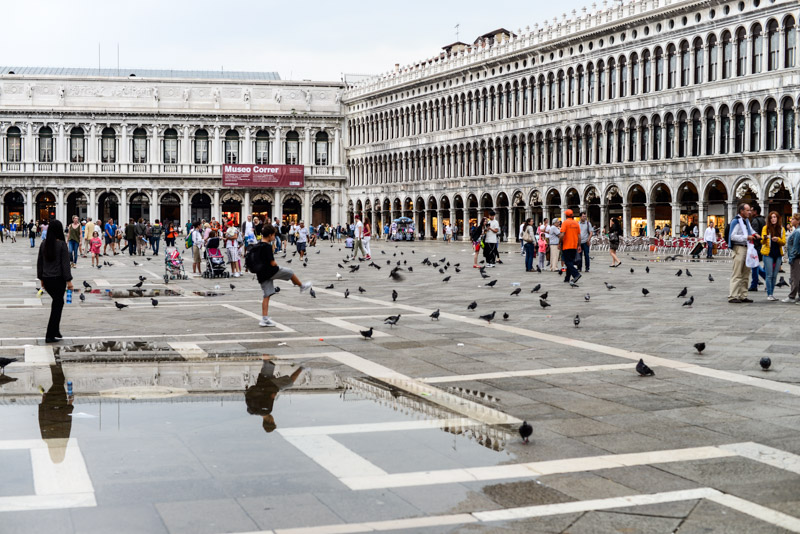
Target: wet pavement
column 169, row 419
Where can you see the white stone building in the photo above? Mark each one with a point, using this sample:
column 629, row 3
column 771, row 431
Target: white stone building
column 655, row 111
column 152, row 143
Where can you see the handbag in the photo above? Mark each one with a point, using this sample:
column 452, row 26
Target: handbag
column 752, row 257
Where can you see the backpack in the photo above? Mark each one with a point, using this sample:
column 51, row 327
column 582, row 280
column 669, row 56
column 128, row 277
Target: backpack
column 253, row 259
column 475, row 234
column 188, row 241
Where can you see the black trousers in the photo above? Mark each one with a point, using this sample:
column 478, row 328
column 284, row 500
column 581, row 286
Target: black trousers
column 55, row 287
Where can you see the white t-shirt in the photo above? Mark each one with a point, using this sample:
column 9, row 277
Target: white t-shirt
column 302, row 235
column 491, row 237
column 359, row 231
column 448, row 230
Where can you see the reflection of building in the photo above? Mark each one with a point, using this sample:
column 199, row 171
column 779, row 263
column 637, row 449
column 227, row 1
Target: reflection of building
column 151, row 143
column 655, row 112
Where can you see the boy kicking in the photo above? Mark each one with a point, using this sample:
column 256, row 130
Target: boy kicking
column 261, row 261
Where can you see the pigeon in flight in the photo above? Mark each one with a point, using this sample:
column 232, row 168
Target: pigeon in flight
column 543, row 303
column 525, row 431
column 472, row 305
column 609, row 286
column 4, row 362
column 683, row 292
column 394, row 295
column 689, row 302
column 119, row 305
column 645, row 291
column 536, row 288
column 765, row 362
column 710, row 278
column 446, row 279
column 700, row 347
column 516, row 291
column 392, row 320
column 435, row 315
column 395, row 275
column 577, row 321
column 643, row 369
column 680, row 272
column 488, row 317
column 366, row 333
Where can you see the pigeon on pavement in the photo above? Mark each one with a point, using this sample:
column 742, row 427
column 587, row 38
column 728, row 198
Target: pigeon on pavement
column 516, row 291
column 683, row 292
column 643, row 369
column 689, row 302
column 392, row 320
column 765, row 362
column 645, row 291
column 609, row 286
column 577, row 321
column 435, row 315
column 536, row 288
column 543, row 303
column 154, row 302
column 472, row 305
column 700, row 347
column 488, row 317
column 366, row 333
column 680, row 272
column 119, row 305
column 525, row 431
column 4, row 362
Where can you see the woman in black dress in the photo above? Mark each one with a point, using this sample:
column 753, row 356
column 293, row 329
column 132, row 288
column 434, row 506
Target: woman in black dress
column 53, row 271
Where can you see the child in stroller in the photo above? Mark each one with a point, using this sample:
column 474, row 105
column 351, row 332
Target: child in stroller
column 215, row 262
column 173, row 266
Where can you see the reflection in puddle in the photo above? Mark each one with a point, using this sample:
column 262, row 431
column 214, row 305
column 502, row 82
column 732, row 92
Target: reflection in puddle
column 140, row 293
column 111, row 346
column 208, row 293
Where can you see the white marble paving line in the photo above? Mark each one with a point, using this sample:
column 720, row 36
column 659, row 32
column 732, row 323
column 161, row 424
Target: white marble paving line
column 149, row 336
column 352, row 327
column 39, row 354
column 190, row 351
column 275, row 339
column 766, row 455
column 333, row 456
column 763, row 513
column 361, row 428
column 603, row 349
column 532, row 372
column 279, row 326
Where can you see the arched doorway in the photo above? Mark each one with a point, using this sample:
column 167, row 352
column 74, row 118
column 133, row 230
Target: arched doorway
column 14, row 208
column 574, row 200
column 201, row 208
column 661, row 202
column 321, row 210
column 232, row 208
column 108, row 207
column 486, row 204
column 747, row 192
column 537, row 207
column 291, row 209
column 614, row 201
column 432, row 218
column 717, row 197
column 458, row 204
column 170, row 209
column 262, row 208
column 397, row 209
column 593, row 211
column 502, row 217
column 139, row 207
column 553, row 203
column 688, row 199
column 77, row 205
column 419, row 216
column 637, row 198
column 408, row 208
column 45, row 206
column 779, row 199
column 472, row 210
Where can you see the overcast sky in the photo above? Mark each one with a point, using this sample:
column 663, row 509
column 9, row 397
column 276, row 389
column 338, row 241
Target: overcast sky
column 309, row 39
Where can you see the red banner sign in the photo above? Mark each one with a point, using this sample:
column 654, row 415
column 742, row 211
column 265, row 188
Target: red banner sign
column 262, row 176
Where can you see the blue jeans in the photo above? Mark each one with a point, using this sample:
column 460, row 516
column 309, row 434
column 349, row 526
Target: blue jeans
column 582, row 257
column 154, row 244
column 569, row 255
column 33, row 240
column 73, row 251
column 529, row 255
column 773, row 265
column 758, row 271
column 709, row 249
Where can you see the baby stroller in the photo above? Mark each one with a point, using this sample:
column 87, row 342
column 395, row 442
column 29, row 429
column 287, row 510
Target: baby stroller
column 215, row 262
column 173, row 266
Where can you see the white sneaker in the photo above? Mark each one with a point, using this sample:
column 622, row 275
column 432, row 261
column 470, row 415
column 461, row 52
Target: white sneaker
column 770, row 297
column 267, row 322
column 788, row 300
column 304, row 286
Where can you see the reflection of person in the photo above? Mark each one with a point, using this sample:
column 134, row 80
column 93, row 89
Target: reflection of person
column 260, row 397
column 55, row 416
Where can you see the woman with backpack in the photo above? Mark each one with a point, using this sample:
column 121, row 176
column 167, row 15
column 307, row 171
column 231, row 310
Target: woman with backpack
column 528, row 244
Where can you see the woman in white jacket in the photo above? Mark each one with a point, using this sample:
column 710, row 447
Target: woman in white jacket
column 710, row 237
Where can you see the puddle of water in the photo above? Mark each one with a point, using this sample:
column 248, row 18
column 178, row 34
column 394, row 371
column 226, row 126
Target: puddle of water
column 141, row 293
column 111, row 346
column 208, row 293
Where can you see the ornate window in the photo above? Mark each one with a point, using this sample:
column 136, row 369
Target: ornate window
column 755, row 127
column 657, row 138
column 46, row 145
column 580, row 85
column 77, row 145
column 788, row 125
column 713, row 51
column 601, row 81
column 741, row 52
column 697, row 134
column 232, row 147
column 670, row 153
column 635, row 80
column 108, row 146
column 571, row 78
column 591, row 78
column 672, row 67
column 683, row 135
column 170, row 146
column 551, row 92
column 561, row 90
column 262, row 147
column 659, row 69
column 647, row 66
column 773, row 40
column 13, row 145
column 727, row 56
column 699, row 56
column 758, row 47
column 321, row 149
column 623, row 77
column 684, row 64
column 612, row 79
column 739, row 125
column 772, row 125
column 632, row 140
column 711, row 133
column 724, row 130
column 292, row 148
column 790, row 42
column 139, row 146
column 201, row 146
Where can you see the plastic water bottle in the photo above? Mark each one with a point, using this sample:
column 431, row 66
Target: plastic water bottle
column 69, row 296
column 514, row 284
column 69, row 387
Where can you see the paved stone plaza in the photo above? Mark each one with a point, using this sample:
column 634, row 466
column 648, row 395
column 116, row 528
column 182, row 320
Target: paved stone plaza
column 416, row 429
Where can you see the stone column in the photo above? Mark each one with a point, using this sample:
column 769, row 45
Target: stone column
column 61, row 208
column 702, row 210
column 307, row 150
column 429, row 224
column 651, row 219
column 29, row 206
column 603, row 216
column 186, row 152
column 746, row 147
column 306, row 209
column 215, row 206
column 92, row 210
column 123, row 206
column 337, row 142
column 155, row 145
column 276, row 154
column 277, row 205
column 91, row 153
column 247, row 208
column 30, row 146
column 123, row 147
column 626, row 219
column 2, row 211
column 155, row 211
column 465, row 222
column 186, row 208
column 676, row 220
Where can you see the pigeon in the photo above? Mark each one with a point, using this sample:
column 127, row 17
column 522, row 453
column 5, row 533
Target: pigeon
column 392, row 320
column 700, row 347
column 781, row 282
column 346, row 293
column 82, row 297
column 525, row 431
column 631, row 270
column 312, row 293
column 329, row 286
column 339, row 265
column 587, row 297
column 142, row 278
column 366, row 333
column 441, row 271
column 488, row 317
column 232, row 287
column 99, row 267
column 154, row 302
column 687, row 272
column 516, row 291
column 710, row 278
column 86, row 285
column 643, row 370
column 394, row 295
column 138, row 285
column 645, row 291
column 544, row 295
column 536, row 288
column 577, row 321
column 683, row 292
column 411, row 269
column 136, row 264
column 361, row 289
column 373, row 264
column 505, row 316
column 395, row 275
column 148, row 259
column 446, row 279
column 338, row 276
column 689, row 302
column 765, row 363
column 289, row 260
column 484, row 275
column 119, row 305
column 4, row 362
column 609, row 286
column 647, row 269
column 457, row 270
column 435, row 315
column 680, row 272
column 472, row 305
column 543, row 303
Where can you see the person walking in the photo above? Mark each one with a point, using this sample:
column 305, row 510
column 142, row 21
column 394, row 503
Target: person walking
column 261, row 261
column 130, row 237
column 12, row 230
column 43, row 228
column 475, row 234
column 793, row 250
column 74, row 241
column 710, row 237
column 110, row 234
column 88, row 235
column 300, row 241
column 614, row 234
column 140, row 230
column 155, row 236
column 519, row 236
column 32, row 233
column 367, row 239
column 169, row 238
column 739, row 235
column 232, row 247
column 757, row 222
column 570, row 241
column 197, row 243
column 94, row 249
column 586, row 242
column 528, row 239
column 542, row 246
column 490, row 240
column 773, row 238
column 553, row 238
column 55, row 276
column 359, row 237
